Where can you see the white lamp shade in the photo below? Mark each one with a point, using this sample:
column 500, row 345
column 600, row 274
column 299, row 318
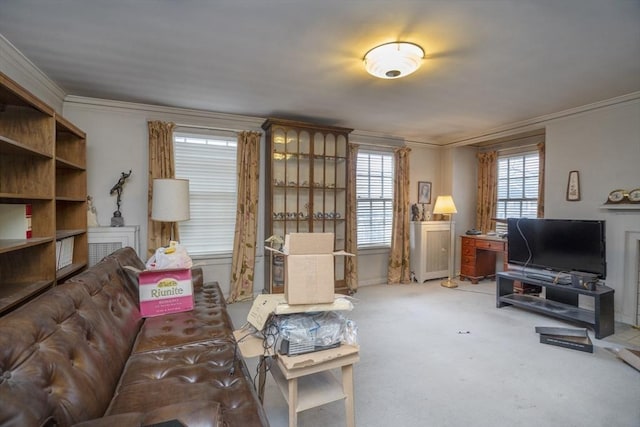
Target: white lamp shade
column 170, row 200
column 393, row 60
column 444, row 205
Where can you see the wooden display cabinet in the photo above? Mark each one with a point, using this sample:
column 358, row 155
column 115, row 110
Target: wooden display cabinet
column 306, row 187
column 30, row 135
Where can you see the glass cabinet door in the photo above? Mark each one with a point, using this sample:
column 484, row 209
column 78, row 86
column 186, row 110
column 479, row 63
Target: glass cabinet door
column 306, row 185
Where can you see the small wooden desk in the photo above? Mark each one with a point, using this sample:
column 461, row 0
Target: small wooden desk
column 478, row 257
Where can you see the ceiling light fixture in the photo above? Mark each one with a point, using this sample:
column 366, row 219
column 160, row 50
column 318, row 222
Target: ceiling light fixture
column 393, row 60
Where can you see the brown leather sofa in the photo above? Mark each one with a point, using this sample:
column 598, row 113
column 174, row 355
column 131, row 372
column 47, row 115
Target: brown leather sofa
column 81, row 354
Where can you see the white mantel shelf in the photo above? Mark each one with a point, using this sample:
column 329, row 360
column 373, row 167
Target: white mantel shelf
column 622, row 207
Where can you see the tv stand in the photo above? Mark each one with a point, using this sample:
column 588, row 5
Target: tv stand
column 561, row 301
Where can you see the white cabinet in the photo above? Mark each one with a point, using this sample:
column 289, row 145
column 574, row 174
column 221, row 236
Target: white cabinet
column 104, row 240
column 430, row 243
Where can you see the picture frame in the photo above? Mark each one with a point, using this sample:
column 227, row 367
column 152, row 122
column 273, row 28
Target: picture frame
column 424, row 192
column 573, row 186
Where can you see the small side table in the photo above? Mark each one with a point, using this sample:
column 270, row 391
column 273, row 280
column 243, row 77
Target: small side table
column 306, row 380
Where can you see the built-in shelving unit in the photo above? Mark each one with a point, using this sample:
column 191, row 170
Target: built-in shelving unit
column 71, row 194
column 42, row 164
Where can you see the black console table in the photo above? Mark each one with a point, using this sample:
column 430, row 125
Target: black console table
column 560, row 301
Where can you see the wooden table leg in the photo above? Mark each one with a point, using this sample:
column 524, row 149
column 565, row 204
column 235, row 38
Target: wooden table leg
column 293, row 402
column 262, row 377
column 347, row 386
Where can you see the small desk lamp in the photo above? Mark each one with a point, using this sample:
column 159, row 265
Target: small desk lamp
column 170, row 201
column 445, row 205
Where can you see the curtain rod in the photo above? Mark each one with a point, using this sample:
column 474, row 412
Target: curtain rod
column 181, row 125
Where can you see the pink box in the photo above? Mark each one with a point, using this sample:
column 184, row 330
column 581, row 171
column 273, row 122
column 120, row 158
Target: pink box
column 165, row 291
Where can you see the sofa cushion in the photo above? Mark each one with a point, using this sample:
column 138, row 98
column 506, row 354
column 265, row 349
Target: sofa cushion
column 209, row 370
column 209, row 320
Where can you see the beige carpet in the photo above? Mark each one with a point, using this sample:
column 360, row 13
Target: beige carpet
column 432, row 356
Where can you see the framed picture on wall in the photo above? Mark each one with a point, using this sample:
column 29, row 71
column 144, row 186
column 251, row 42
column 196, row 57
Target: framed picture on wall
column 424, row 192
column 573, row 187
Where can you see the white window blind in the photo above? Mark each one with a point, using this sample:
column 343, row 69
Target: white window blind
column 517, row 187
column 374, row 192
column 209, row 163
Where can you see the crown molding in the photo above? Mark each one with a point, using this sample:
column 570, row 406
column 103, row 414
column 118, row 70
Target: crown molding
column 540, row 121
column 375, row 138
column 20, row 69
column 182, row 116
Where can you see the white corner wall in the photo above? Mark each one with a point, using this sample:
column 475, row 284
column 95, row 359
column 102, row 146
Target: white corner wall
column 603, row 145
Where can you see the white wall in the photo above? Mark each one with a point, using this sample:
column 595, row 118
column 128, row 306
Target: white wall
column 117, row 140
column 604, row 146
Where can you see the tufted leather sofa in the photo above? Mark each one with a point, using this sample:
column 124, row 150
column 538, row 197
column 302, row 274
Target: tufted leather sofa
column 81, row 354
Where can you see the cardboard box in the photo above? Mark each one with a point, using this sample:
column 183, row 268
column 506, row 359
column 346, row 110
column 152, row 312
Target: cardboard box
column 165, row 291
column 309, row 268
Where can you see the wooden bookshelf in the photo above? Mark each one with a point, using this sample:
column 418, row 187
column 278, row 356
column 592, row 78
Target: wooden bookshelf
column 42, row 163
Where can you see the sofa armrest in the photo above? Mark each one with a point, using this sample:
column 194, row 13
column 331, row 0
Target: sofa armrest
column 194, row 413
column 197, row 278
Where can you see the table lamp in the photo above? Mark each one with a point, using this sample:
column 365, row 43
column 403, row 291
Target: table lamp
column 170, row 201
column 444, row 205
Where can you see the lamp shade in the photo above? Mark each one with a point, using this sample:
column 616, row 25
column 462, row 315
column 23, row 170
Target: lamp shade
column 444, row 205
column 170, row 200
column 393, row 60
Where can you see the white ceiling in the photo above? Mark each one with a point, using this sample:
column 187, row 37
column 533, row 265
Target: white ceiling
column 489, row 63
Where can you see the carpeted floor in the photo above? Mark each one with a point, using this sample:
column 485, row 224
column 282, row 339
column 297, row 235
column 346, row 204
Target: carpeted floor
column 432, row 356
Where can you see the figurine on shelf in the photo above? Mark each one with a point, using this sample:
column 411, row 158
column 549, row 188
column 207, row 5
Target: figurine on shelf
column 117, row 220
column 415, row 214
column 92, row 215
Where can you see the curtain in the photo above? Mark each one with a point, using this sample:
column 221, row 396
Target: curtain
column 351, row 262
column 540, row 147
column 487, row 191
column 399, row 269
column 161, row 165
column 244, row 241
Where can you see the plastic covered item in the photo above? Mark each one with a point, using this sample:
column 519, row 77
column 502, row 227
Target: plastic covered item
column 173, row 256
column 323, row 329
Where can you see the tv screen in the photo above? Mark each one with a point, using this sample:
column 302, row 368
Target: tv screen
column 561, row 245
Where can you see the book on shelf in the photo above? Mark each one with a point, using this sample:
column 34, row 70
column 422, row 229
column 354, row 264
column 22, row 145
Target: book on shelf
column 65, row 256
column 58, row 251
column 15, row 221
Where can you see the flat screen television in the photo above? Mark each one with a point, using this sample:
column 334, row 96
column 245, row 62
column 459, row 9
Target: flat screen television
column 559, row 245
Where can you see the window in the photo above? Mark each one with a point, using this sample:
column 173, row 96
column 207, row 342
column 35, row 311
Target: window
column 374, row 192
column 209, row 163
column 517, row 187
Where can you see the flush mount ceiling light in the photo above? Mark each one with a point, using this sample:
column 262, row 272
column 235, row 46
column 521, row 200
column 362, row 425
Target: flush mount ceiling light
column 393, row 60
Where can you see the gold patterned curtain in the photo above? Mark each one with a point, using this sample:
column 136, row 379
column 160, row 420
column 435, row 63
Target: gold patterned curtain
column 487, row 191
column 351, row 262
column 540, row 147
column 244, row 241
column 399, row 269
column 161, row 165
